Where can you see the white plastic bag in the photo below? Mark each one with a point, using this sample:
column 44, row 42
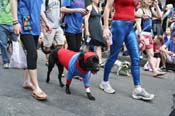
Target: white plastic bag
column 18, row 57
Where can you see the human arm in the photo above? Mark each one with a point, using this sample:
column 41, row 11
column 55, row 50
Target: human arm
column 138, row 19
column 44, row 18
column 157, row 12
column 108, row 8
column 165, row 50
column 86, row 21
column 17, row 26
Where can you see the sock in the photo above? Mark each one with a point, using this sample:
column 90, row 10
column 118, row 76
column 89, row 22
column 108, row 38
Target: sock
column 88, row 90
column 105, row 82
column 138, row 88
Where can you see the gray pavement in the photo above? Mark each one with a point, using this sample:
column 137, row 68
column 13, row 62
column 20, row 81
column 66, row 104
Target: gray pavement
column 15, row 101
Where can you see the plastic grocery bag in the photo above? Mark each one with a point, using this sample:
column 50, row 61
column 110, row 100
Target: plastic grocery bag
column 18, row 57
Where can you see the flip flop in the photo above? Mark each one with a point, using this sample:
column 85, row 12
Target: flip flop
column 41, row 96
column 28, row 87
column 159, row 74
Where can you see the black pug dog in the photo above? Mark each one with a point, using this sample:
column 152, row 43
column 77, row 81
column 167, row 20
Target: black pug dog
column 77, row 63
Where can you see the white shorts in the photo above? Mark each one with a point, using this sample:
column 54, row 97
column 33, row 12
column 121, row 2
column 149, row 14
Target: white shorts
column 56, row 37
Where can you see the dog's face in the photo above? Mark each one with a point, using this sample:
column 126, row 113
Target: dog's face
column 89, row 61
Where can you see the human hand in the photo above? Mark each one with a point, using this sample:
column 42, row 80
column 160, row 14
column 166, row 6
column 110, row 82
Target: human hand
column 48, row 28
column 106, row 33
column 155, row 3
column 17, row 29
column 82, row 11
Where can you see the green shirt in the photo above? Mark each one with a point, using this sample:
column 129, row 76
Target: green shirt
column 5, row 12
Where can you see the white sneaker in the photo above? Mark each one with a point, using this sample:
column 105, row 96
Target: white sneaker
column 6, row 65
column 142, row 95
column 105, row 86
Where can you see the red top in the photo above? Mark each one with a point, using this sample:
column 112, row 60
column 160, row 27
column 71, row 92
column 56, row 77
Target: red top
column 64, row 56
column 156, row 47
column 124, row 10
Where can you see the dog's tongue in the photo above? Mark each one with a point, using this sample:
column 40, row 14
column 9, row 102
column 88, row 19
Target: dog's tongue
column 88, row 54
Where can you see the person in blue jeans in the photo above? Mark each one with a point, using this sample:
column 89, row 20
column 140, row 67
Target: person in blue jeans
column 6, row 30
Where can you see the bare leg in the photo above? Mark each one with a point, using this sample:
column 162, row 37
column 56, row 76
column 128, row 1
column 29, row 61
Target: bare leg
column 99, row 53
column 34, row 80
column 158, row 63
column 27, row 81
column 163, row 56
column 151, row 62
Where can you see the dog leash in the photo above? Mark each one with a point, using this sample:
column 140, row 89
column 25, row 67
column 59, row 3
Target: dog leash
column 84, row 44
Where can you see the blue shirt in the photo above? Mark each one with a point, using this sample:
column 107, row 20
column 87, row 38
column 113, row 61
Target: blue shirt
column 170, row 45
column 30, row 8
column 73, row 20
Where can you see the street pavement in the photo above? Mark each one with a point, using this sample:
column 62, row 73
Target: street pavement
column 16, row 101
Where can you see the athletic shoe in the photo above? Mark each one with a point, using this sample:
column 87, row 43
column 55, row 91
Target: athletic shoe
column 106, row 87
column 6, row 65
column 142, row 95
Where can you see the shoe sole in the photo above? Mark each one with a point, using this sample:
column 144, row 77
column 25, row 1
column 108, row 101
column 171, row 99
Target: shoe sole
column 142, row 98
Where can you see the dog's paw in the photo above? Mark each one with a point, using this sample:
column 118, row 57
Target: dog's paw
column 90, row 97
column 47, row 80
column 68, row 90
column 61, row 85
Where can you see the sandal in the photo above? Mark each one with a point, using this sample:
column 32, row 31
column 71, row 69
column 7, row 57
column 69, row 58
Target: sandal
column 41, row 96
column 159, row 74
column 28, row 87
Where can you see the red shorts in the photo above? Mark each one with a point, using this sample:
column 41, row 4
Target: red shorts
column 147, row 38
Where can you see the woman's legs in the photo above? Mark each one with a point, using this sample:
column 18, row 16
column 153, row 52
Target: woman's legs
column 118, row 36
column 132, row 46
column 99, row 53
column 30, row 44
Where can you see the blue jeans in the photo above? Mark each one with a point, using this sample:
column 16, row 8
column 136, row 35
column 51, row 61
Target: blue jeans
column 5, row 32
column 122, row 31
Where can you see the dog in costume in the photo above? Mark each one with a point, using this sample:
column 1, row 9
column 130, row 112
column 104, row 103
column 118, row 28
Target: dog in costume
column 77, row 64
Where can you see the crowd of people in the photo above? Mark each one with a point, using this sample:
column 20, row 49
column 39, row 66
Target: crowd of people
column 108, row 25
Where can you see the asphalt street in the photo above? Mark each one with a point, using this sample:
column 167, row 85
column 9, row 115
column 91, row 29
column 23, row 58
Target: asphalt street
column 15, row 101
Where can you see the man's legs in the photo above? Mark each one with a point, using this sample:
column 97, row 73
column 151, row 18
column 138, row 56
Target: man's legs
column 3, row 43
